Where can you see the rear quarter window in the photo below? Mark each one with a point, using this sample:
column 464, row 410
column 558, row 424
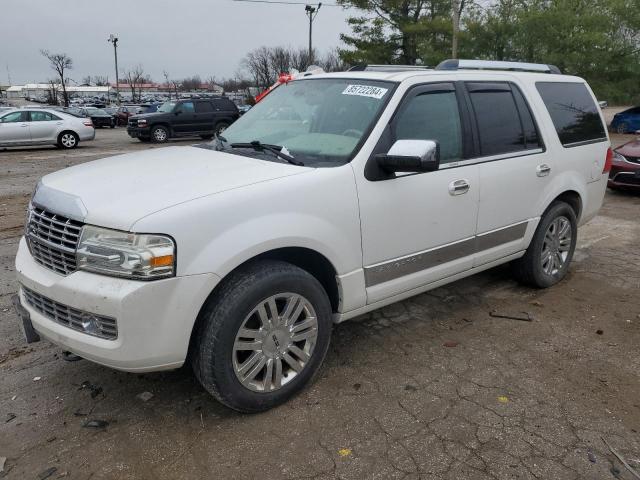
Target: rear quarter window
column 573, row 111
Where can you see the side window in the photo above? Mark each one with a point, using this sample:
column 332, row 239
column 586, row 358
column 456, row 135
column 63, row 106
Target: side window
column 573, row 112
column 433, row 116
column 14, row 117
column 41, row 116
column 187, row 107
column 500, row 127
column 531, row 135
column 204, row 107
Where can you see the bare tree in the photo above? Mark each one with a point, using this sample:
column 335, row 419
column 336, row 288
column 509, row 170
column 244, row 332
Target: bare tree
column 98, row 80
column 52, row 94
column 331, row 61
column 60, row 62
column 191, row 83
column 258, row 64
column 135, row 77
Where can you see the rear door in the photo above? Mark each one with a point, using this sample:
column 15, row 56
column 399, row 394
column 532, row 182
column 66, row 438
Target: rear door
column 14, row 128
column 205, row 116
column 514, row 170
column 43, row 126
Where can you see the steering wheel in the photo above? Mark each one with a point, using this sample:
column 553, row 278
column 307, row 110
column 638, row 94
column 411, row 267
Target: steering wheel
column 352, row 132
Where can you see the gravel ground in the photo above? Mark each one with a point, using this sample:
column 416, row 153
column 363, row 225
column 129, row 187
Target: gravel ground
column 432, row 387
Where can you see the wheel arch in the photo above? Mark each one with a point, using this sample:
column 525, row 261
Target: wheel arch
column 312, row 261
column 572, row 198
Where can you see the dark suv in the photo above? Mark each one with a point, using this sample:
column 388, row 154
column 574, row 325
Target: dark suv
column 183, row 118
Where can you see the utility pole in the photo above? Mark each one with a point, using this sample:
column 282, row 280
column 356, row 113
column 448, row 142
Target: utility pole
column 311, row 12
column 113, row 39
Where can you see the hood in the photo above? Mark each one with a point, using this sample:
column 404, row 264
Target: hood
column 630, row 149
column 117, row 191
column 147, row 115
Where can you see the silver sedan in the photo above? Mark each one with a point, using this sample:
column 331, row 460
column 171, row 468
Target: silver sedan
column 43, row 127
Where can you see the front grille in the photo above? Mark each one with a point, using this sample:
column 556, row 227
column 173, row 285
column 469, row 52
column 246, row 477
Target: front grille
column 133, row 123
column 53, row 240
column 100, row 326
column 632, row 159
column 627, row 178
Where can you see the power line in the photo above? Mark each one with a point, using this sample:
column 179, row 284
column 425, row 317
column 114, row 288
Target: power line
column 284, row 2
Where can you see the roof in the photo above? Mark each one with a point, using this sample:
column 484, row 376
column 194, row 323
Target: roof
column 448, row 74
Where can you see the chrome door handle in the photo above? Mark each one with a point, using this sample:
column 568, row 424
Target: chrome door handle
column 458, row 187
column 543, row 170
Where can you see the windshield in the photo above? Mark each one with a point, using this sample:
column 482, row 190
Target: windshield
column 315, row 120
column 167, row 107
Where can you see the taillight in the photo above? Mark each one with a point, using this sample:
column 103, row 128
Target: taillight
column 88, row 123
column 608, row 161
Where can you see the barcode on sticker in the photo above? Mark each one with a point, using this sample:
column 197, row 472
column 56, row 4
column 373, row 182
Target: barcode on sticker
column 365, row 91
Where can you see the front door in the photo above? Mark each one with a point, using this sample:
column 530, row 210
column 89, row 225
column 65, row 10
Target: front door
column 14, row 128
column 420, row 228
column 185, row 118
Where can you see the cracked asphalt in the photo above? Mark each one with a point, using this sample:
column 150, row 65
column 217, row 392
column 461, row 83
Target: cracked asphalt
column 431, row 388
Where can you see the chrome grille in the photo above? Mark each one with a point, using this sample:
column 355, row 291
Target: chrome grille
column 632, row 159
column 53, row 240
column 71, row 317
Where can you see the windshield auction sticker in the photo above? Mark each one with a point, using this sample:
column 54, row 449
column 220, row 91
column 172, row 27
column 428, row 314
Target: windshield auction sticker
column 365, row 91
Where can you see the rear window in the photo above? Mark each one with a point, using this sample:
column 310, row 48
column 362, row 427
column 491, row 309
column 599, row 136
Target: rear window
column 573, row 112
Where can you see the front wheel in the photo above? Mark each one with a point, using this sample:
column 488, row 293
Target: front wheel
column 547, row 259
column 160, row 134
column 68, row 140
column 263, row 336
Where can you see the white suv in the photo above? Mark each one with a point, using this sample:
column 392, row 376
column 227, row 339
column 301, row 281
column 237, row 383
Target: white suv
column 335, row 195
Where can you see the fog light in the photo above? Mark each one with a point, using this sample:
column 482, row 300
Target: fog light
column 90, row 324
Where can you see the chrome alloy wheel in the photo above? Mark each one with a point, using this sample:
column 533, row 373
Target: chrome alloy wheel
column 556, row 245
column 160, row 134
column 68, row 140
column 275, row 342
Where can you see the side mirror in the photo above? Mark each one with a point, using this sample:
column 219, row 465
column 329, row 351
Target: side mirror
column 415, row 156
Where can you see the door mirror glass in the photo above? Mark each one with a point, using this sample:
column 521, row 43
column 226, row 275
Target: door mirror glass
column 415, row 156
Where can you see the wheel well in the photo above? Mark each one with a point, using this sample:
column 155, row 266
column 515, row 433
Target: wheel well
column 309, row 260
column 573, row 199
column 68, row 131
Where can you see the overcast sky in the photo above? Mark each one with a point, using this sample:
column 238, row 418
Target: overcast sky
column 186, row 37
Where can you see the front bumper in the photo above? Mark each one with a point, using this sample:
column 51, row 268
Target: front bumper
column 154, row 318
column 137, row 132
column 625, row 175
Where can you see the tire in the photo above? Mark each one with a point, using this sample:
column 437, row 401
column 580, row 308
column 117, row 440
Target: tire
column 220, row 127
column 622, row 128
column 218, row 364
column 68, row 140
column 159, row 134
column 532, row 269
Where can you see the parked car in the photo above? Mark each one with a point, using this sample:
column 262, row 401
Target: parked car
column 239, row 255
column 124, row 112
column 113, row 111
column 98, row 116
column 43, row 127
column 625, row 169
column 184, row 118
column 627, row 121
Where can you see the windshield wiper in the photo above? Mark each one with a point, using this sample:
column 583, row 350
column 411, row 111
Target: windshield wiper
column 261, row 147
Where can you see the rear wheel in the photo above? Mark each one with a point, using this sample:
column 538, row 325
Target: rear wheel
column 263, row 336
column 68, row 140
column 547, row 259
column 160, row 134
column 622, row 128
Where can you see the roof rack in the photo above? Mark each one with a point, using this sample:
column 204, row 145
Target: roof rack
column 386, row 68
column 497, row 65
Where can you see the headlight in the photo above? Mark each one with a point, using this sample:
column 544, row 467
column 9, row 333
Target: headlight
column 123, row 254
column 142, row 122
column 618, row 157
